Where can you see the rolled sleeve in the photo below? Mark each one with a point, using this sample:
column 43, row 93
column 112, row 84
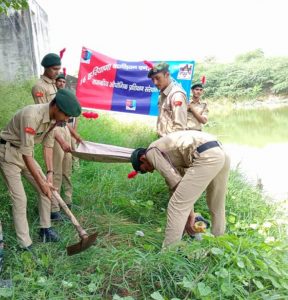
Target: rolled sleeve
column 158, row 161
column 179, row 112
column 27, row 134
column 39, row 94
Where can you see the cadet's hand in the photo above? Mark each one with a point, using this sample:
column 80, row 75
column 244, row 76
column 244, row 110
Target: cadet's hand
column 46, row 189
column 78, row 139
column 66, row 147
column 189, row 225
column 49, row 177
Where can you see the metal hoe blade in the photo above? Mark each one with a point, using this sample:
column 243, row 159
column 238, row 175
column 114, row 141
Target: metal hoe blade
column 85, row 242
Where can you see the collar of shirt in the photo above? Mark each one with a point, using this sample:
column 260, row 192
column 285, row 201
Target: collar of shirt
column 192, row 101
column 47, row 79
column 168, row 89
column 46, row 113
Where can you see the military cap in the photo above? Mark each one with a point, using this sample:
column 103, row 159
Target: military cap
column 68, row 103
column 61, row 76
column 197, row 85
column 50, row 60
column 161, row 67
column 135, row 158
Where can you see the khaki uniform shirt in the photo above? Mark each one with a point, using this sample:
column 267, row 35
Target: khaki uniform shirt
column 175, row 151
column 172, row 107
column 30, row 125
column 192, row 122
column 44, row 90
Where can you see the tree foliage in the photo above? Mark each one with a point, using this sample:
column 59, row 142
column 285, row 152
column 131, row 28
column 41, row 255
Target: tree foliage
column 15, row 4
column 250, row 76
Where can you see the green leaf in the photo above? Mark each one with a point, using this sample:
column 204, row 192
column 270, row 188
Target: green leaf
column 284, row 284
column 258, row 284
column 232, row 219
column 149, row 203
column 6, row 292
column 203, row 289
column 216, row 251
column 92, row 287
column 240, row 264
column 223, row 273
column 157, row 296
column 227, row 289
column 188, row 284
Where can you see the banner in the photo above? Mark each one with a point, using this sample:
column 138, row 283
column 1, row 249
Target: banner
column 110, row 84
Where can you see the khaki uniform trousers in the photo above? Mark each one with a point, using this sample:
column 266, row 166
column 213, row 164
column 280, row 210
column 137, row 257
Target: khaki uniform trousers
column 62, row 166
column 209, row 172
column 75, row 160
column 12, row 166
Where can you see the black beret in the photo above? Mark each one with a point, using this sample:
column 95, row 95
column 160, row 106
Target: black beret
column 135, row 158
column 61, row 76
column 68, row 103
column 161, row 67
column 50, row 60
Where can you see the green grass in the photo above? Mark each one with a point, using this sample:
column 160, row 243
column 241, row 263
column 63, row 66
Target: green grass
column 244, row 263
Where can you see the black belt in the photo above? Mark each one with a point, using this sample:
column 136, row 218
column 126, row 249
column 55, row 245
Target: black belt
column 207, row 146
column 61, row 124
column 3, row 142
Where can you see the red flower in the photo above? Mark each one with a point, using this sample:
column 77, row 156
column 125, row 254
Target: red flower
column 132, row 174
column 90, row 115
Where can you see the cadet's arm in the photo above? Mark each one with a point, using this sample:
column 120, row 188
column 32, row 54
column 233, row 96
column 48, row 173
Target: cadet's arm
column 180, row 112
column 30, row 163
column 74, row 133
column 200, row 118
column 64, row 145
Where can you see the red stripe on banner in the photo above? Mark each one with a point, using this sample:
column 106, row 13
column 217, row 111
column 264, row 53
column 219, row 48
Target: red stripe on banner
column 96, row 72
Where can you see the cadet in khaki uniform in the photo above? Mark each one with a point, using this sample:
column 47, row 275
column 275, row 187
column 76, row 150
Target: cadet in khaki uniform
column 33, row 124
column 62, row 161
column 172, row 102
column 197, row 114
column 43, row 92
column 208, row 168
column 45, row 88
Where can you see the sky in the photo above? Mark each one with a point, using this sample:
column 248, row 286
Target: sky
column 137, row 30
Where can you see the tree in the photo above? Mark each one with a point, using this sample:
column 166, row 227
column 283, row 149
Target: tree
column 258, row 53
column 15, row 4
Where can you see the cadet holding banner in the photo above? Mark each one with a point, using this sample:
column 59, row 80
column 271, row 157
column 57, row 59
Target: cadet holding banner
column 207, row 169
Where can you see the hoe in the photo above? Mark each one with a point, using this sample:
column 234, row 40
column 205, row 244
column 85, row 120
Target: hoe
column 86, row 240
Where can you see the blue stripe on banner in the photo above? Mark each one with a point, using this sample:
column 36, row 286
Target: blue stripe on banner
column 130, row 88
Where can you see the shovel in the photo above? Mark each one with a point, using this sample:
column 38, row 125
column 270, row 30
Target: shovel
column 86, row 240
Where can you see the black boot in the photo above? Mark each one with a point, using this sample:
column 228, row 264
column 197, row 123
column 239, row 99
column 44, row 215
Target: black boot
column 49, row 235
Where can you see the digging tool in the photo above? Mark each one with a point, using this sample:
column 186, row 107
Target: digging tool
column 86, row 240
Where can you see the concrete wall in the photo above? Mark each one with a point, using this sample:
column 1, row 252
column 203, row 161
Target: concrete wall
column 24, row 40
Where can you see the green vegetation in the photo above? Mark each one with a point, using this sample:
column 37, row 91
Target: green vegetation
column 250, row 76
column 250, row 261
column 15, row 4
